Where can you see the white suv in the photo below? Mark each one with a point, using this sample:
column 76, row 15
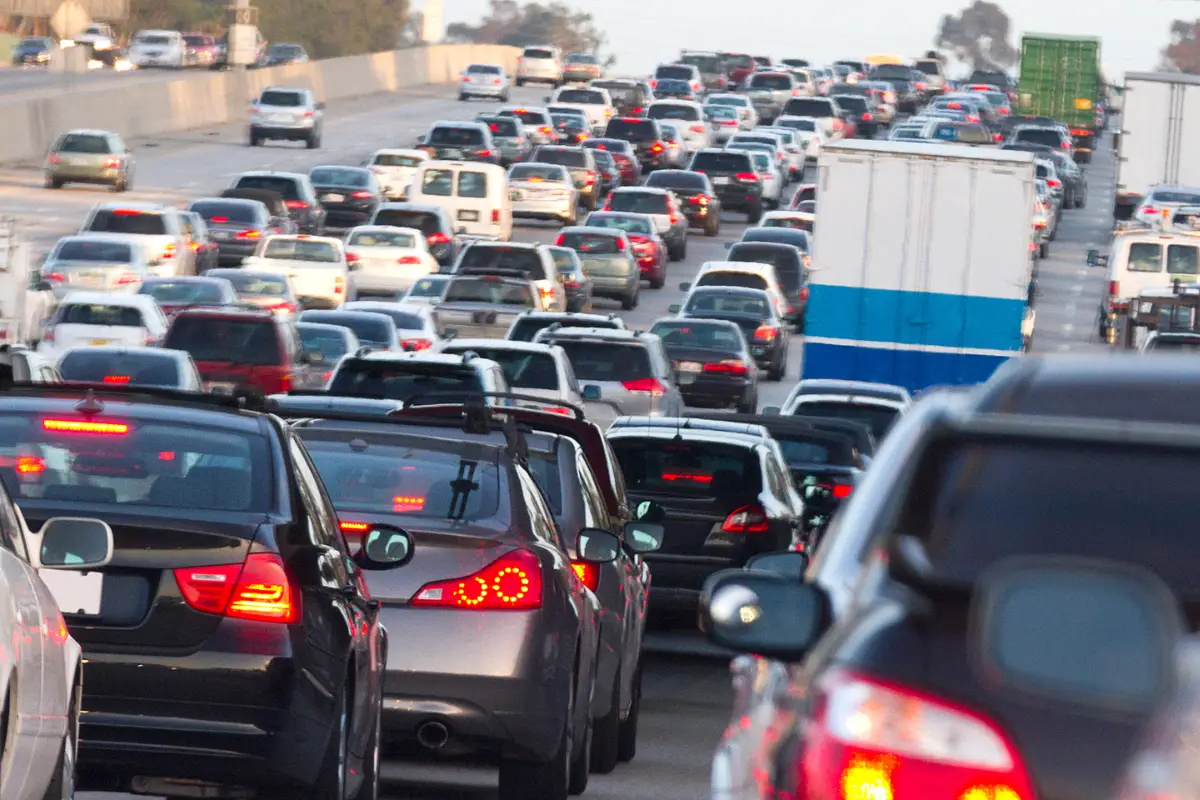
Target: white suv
column 287, row 113
column 540, row 65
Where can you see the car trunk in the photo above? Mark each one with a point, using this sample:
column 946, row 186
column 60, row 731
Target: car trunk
column 89, row 275
column 681, row 356
column 72, row 335
column 232, row 231
column 475, row 320
column 608, row 266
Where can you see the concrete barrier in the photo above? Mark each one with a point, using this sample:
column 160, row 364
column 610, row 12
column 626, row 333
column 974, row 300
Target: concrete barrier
column 29, row 125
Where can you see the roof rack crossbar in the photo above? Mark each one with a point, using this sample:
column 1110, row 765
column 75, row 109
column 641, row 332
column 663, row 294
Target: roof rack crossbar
column 455, row 398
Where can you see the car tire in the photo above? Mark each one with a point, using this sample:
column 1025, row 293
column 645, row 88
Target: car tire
column 629, row 302
column 255, row 140
column 520, row 82
column 1044, row 250
column 712, row 227
column 658, row 283
column 62, row 784
column 53, row 183
column 778, row 371
column 462, row 98
column 313, row 142
column 581, row 765
column 534, row 780
column 754, row 215
column 504, row 97
column 748, row 405
column 1081, row 200
column 606, row 733
column 369, row 790
column 628, row 730
column 331, row 778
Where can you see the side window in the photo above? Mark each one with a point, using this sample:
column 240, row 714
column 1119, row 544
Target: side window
column 539, row 515
column 774, row 480
column 322, row 525
column 472, row 184
column 1145, row 257
column 1182, row 260
column 595, row 515
column 437, row 182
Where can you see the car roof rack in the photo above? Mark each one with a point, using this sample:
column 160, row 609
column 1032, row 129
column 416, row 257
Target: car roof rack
column 575, row 410
column 245, row 400
column 493, row 271
column 690, row 423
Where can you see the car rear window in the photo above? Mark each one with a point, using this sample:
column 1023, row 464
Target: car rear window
column 405, row 480
column 533, row 118
column 799, row 124
column 380, row 239
column 673, row 111
column 234, row 341
column 1173, row 344
column 197, row 41
column 852, row 102
column 633, row 202
column 721, row 162
column 330, row 345
column 929, row 66
column 184, row 291
column 581, row 96
column 537, row 174
column 91, row 366
column 592, row 244
column 394, row 160
column 878, row 418
column 85, row 250
column 257, row 284
column 607, row 361
column 484, row 69
column 628, row 224
column 697, row 334
column 633, row 130
column 537, row 52
column 129, row 221
column 805, row 107
column 771, row 81
column 287, row 188
column 685, row 181
column 620, row 93
column 368, row 329
column 142, row 463
column 424, row 221
column 281, row 99
column 502, row 126
column 400, row 381
column 151, row 39
column 745, row 280
column 455, row 136
column 302, row 250
column 340, row 176
column 567, row 157
column 429, row 287
column 672, row 86
column 83, row 143
column 673, row 71
column 100, row 314
column 523, row 370
column 1047, row 136
column 523, row 259
column 728, row 303
column 688, row 469
column 218, row 213
column 491, row 290
column 798, row 449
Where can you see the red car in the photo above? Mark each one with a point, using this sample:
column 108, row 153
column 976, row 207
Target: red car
column 200, row 50
column 622, row 153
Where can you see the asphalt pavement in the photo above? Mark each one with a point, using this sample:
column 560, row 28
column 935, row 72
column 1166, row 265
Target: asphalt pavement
column 687, row 698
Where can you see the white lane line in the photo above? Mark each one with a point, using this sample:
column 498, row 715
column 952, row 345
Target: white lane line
column 1068, row 328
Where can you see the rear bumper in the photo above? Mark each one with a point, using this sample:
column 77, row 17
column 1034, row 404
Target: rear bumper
column 233, row 252
column 614, row 287
column 291, row 134
column 84, row 174
column 482, row 90
column 740, row 199
column 678, row 580
column 347, row 217
column 715, row 391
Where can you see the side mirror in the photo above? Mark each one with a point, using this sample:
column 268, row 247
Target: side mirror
column 644, row 537
column 685, row 287
column 385, row 547
column 763, row 614
column 591, row 392
column 771, row 411
column 77, row 543
column 1093, row 258
column 421, row 139
column 597, row 546
column 320, row 106
column 788, row 563
column 674, row 308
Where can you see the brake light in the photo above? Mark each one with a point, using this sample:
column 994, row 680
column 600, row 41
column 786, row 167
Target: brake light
column 954, row 105
column 696, row 129
column 545, row 129
column 362, row 195
column 546, row 292
column 258, row 590
column 1114, row 288
column 484, row 153
column 219, row 220
column 57, row 277
column 842, row 490
column 620, row 243
column 404, row 260
column 54, row 158
column 416, row 344
column 590, row 180
column 651, row 386
column 747, row 177
column 112, row 163
column 866, row 117
column 587, row 573
column 495, row 216
column 700, row 200
column 296, row 204
column 747, row 519
column 728, row 367
column 128, row 278
column 85, row 426
column 30, row 465
column 1053, row 182
column 1079, row 132
column 674, row 218
column 351, row 258
column 695, row 477
column 437, row 238
column 882, row 740
column 1149, row 210
column 997, row 137
column 339, row 285
column 512, row 582
column 249, row 234
column 766, row 333
column 127, row 212
column 116, row 379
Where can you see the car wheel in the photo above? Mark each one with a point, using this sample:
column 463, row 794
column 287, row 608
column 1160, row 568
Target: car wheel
column 462, row 97
column 1043, row 250
column 777, row 371
column 331, row 779
column 581, row 765
column 313, row 142
column 534, row 780
column 520, row 82
column 712, row 227
column 754, row 215
column 53, row 183
column 254, row 140
column 606, row 733
column 629, row 302
column 659, row 282
column 627, row 737
column 369, row 790
column 748, row 405
column 62, row 784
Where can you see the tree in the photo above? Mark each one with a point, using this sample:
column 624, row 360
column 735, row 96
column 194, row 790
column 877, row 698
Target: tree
column 1183, row 53
column 978, row 37
column 552, row 23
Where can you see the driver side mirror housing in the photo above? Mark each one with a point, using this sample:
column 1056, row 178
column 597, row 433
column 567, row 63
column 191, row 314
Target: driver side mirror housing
column 685, row 287
column 73, row 543
column 763, row 613
column 1094, row 259
column 597, row 546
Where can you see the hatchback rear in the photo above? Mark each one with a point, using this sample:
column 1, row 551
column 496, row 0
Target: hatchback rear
column 236, row 226
column 630, row 368
column 237, row 349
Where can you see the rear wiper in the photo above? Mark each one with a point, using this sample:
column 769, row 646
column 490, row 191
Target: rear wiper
column 462, row 485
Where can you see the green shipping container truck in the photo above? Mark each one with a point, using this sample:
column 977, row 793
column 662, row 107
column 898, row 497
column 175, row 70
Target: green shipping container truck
column 1060, row 78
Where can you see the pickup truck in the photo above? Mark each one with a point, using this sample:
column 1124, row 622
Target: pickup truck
column 484, row 306
column 315, row 265
column 593, row 102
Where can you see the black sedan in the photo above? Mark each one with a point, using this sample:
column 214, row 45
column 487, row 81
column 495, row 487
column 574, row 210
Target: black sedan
column 235, row 225
column 572, row 128
column 753, row 311
column 349, row 195
column 696, row 194
column 713, row 364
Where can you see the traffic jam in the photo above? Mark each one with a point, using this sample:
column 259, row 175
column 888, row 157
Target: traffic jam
column 379, row 463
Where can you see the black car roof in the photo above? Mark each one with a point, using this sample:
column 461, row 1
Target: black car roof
column 183, row 408
column 779, row 426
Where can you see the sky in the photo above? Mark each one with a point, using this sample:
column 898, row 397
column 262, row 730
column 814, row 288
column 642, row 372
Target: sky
column 644, row 33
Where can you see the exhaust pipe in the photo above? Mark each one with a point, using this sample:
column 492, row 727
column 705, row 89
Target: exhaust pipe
column 433, row 735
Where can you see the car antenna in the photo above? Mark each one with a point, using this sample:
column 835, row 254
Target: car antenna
column 89, row 404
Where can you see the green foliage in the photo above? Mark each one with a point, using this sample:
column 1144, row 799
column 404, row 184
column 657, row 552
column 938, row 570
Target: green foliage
column 509, row 22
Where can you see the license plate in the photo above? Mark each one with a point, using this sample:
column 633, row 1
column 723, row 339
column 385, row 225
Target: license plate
column 452, row 153
column 79, row 162
column 99, row 342
column 218, row 387
column 720, row 181
column 334, row 198
column 686, row 378
column 222, row 236
column 281, row 118
column 690, row 366
column 468, row 216
column 76, row 592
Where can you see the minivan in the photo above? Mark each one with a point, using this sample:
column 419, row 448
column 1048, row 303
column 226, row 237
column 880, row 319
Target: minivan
column 475, row 195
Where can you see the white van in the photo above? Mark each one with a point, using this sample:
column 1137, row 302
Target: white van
column 395, row 168
column 1144, row 259
column 157, row 49
column 475, row 195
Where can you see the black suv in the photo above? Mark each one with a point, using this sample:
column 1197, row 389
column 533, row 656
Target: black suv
column 735, row 179
column 460, row 141
column 644, row 135
column 696, row 194
column 231, row 600
column 297, row 192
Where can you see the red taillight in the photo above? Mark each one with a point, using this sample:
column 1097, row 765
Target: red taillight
column 258, row 591
column 866, row 117
column 694, row 477
column 650, row 386
column 112, row 163
column 466, row 79
column 495, row 216
column 127, row 278
column 126, row 212
column 545, row 130
column 57, row 277
column 116, row 379
column 747, row 519
column 249, row 234
column 620, row 243
column 1053, row 182
column 559, row 241
column 1079, row 132
column 565, row 412
column 54, row 158
column 30, row 465
column 362, row 195
column 728, row 367
column 484, row 153
column 511, row 582
column 696, row 129
column 406, row 260
column 295, row 204
column 351, row 258
column 747, row 177
column 416, row 344
column 85, row 426
column 1114, row 288
column 587, row 573
column 876, row 739
column 437, row 238
column 996, row 137
column 766, row 333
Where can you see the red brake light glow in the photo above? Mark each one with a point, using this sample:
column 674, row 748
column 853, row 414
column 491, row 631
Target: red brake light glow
column 437, row 238
column 85, row 426
column 587, row 573
column 127, row 212
column 694, row 477
column 747, row 519
column 249, row 234
column 404, row 503
column 362, row 195
column 728, row 367
column 257, row 591
column 650, row 386
column 219, row 220
column 294, row 204
column 746, row 176
column 512, row 582
column 766, row 333
column 30, row 465
column 116, row 379
column 842, row 490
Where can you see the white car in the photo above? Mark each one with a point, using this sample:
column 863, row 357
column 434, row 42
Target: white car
column 799, row 220
column 316, row 266
column 394, row 168
column 543, row 191
column 85, row 319
column 158, row 49
column 877, row 405
column 693, row 122
column 793, row 147
column 41, row 572
column 540, row 64
column 595, row 103
column 809, row 130
column 484, row 80
column 766, row 164
column 767, row 139
column 385, row 260
column 747, row 116
column 725, row 121
column 532, row 368
column 1163, row 198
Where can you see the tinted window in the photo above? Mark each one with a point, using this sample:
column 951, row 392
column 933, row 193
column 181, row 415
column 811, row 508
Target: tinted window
column 392, row 160
column 1182, row 260
column 802, row 107
column 929, row 66
column 153, row 463
column 716, row 302
column 472, row 184
column 1186, row 198
column 522, row 369
column 434, row 182
column 488, row 290
column 526, row 260
column 706, row 64
column 281, row 99
column 694, row 333
column 380, row 239
column 429, row 287
column 889, row 71
column 537, row 52
column 184, row 291
column 483, row 69
column 620, row 93
column 455, row 137
column 721, row 162
column 526, row 328
column 671, row 111
column 101, row 314
column 340, row 176
column 400, row 381
column 565, row 157
column 852, row 103
column 676, row 72
column 878, row 418
column 302, row 250
column 502, row 126
column 1174, row 345
column 257, row 284
column 330, row 344
column 799, row 124
column 366, row 327
column 286, row 187
column 90, row 366
column 546, row 474
column 627, row 224
column 698, row 469
column 1047, row 136
column 1145, row 257
column 639, row 202
column 687, row 181
column 565, row 260
column 799, row 450
column 619, row 146
column 590, row 243
column 535, row 173
column 143, row 39
column 122, row 221
column 83, row 143
column 84, row 250
column 581, row 96
column 423, row 221
column 532, row 118
column 236, row 341
column 672, row 86
column 769, row 81
column 633, row 130
column 220, row 213
column 405, row 480
column 602, row 361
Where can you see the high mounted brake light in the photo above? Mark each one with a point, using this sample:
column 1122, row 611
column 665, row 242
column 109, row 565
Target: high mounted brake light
column 85, row 426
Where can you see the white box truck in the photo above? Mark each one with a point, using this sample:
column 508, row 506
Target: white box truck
column 1156, row 145
column 922, row 263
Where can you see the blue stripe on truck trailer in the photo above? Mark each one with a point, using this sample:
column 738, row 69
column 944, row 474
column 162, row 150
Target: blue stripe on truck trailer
column 911, row 368
column 928, row 319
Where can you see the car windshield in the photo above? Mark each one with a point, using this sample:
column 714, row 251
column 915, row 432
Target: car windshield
column 86, row 143
column 591, row 244
column 455, row 136
column 332, row 345
column 627, row 224
column 302, row 250
column 281, row 99
column 878, row 418
column 403, row 479
column 523, row 259
column 381, row 239
column 340, row 176
column 185, row 292
column 538, row 173
column 130, row 221
column 1175, row 197
column 771, row 82
column 731, row 303
column 567, row 157
column 256, row 284
column 696, row 334
column 522, row 369
column 794, row 223
column 671, row 111
column 537, row 52
column 373, row 329
column 140, row 462
column 100, row 314
column 634, row 202
column 93, row 250
column 396, row 160
column 253, row 342
column 219, row 213
column 287, row 188
column 607, row 361
column 400, row 381
column 491, row 290
column 802, row 107
column 151, row 39
column 89, row 365
column 688, row 468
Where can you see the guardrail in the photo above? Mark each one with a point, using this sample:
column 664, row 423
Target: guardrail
column 29, row 125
